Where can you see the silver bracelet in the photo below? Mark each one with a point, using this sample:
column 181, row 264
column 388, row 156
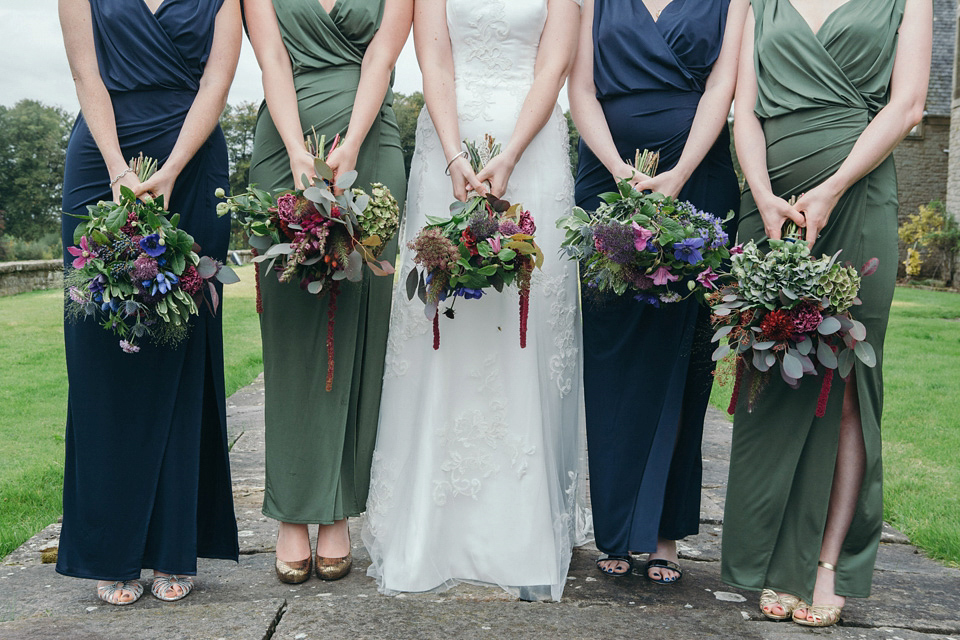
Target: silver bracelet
column 117, row 179
column 462, row 154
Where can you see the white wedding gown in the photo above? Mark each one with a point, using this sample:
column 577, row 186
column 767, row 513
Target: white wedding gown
column 478, row 472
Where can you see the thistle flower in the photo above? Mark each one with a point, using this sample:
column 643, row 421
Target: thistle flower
column 616, row 241
column 144, row 268
column 509, row 227
column 482, row 225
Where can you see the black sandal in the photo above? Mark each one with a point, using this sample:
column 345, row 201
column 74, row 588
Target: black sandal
column 661, row 563
column 617, row 558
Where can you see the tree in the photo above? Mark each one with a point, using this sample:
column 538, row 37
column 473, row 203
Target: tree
column 239, row 123
column 574, row 138
column 33, row 142
column 408, row 110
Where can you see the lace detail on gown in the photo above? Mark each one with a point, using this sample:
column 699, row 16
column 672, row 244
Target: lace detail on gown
column 480, row 434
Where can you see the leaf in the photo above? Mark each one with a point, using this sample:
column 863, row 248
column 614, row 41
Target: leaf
column 387, row 267
column 759, row 362
column 793, row 382
column 826, row 356
column 227, row 275
column 496, row 280
column 260, row 243
column 346, row 179
column 315, row 286
column 354, row 267
column 323, row 169
column 178, row 262
column 870, row 267
column 488, row 270
column 805, row 345
column 864, row 351
column 413, row 279
column 829, row 325
column 858, row 330
column 845, row 362
column 721, row 332
column 362, row 203
column 214, row 297
column 282, row 248
column 207, row 267
column 792, row 366
column 763, row 346
column 721, row 352
column 506, row 255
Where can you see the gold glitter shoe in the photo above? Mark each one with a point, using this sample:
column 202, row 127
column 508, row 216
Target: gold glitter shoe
column 769, row 599
column 333, row 568
column 293, row 572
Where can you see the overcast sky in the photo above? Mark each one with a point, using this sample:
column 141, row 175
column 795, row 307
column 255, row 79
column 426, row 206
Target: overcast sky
column 33, row 63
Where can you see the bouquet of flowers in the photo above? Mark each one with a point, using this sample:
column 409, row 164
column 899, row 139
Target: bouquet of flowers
column 136, row 270
column 486, row 242
column 789, row 310
column 317, row 238
column 660, row 249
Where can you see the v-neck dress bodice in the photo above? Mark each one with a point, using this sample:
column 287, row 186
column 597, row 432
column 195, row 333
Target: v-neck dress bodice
column 816, row 93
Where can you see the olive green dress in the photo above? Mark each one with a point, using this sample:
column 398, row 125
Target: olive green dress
column 816, row 94
column 319, row 444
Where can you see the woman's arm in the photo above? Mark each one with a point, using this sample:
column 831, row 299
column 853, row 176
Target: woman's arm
column 278, row 89
column 712, row 109
column 207, row 106
column 585, row 108
column 752, row 145
column 908, row 94
column 435, row 55
column 76, row 22
column 558, row 44
column 378, row 62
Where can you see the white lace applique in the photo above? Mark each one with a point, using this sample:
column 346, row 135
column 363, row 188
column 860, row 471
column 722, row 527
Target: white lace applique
column 380, row 496
column 555, row 291
column 477, row 442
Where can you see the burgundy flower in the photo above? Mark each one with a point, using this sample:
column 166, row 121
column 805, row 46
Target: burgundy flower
column 777, row 325
column 806, row 318
column 190, row 280
column 526, row 223
column 469, row 241
column 144, row 268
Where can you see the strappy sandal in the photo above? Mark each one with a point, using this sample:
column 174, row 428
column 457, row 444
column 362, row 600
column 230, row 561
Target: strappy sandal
column 615, row 558
column 662, row 563
column 770, row 598
column 163, row 584
column 824, row 615
column 111, row 593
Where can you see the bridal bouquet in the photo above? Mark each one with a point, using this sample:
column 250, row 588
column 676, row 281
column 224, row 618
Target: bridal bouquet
column 137, row 271
column 660, row 249
column 788, row 310
column 485, row 243
column 316, row 238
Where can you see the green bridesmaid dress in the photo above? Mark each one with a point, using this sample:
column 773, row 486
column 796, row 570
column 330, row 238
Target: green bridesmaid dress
column 816, row 94
column 319, row 444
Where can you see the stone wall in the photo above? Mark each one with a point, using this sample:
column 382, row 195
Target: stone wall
column 953, row 178
column 923, row 166
column 30, row 275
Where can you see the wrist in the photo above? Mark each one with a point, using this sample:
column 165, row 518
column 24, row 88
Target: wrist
column 349, row 145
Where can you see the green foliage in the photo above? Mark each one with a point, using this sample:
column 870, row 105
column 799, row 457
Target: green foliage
column 239, row 123
column 33, row 138
column 933, row 238
column 45, row 248
column 407, row 108
column 574, row 139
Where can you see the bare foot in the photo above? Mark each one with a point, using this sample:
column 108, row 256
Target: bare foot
column 293, row 542
column 613, row 566
column 174, row 590
column 333, row 540
column 119, row 592
column 666, row 549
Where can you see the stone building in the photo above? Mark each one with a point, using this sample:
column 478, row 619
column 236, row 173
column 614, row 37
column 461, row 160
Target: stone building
column 923, row 158
column 953, row 174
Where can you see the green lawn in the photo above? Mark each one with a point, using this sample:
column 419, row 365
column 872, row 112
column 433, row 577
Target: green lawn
column 921, row 419
column 33, row 394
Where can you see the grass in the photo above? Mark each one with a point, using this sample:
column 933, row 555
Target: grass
column 33, row 394
column 921, row 419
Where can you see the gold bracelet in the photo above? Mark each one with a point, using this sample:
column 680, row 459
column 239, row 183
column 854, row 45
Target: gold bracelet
column 117, row 179
column 462, row 154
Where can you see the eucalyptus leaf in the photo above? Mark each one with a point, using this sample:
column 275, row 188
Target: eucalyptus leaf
column 826, row 356
column 829, row 325
column 792, row 366
column 260, row 243
column 413, row 279
column 206, row 267
column 315, row 287
column 858, row 330
column 721, row 332
column 845, row 362
column 721, row 352
column 226, row 275
column 864, row 351
column 346, row 179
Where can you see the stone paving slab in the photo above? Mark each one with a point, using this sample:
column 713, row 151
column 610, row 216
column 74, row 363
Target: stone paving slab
column 914, row 598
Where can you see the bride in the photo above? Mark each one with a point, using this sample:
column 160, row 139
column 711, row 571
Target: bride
column 477, row 469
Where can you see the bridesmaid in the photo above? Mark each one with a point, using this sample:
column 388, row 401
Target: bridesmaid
column 647, row 371
column 805, row 523
column 327, row 68
column 151, row 77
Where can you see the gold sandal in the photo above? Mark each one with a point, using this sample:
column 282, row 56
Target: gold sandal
column 770, row 598
column 111, row 593
column 824, row 615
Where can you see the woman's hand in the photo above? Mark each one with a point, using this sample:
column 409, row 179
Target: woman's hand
column 497, row 173
column 159, row 184
column 775, row 212
column 129, row 180
column 342, row 160
column 816, row 206
column 668, row 183
column 464, row 179
column 623, row 171
column 301, row 164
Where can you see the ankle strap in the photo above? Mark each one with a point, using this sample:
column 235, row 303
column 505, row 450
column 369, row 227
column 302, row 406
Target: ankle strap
column 827, row 566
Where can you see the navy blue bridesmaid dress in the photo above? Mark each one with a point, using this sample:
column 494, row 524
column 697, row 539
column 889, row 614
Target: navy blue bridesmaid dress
column 647, row 371
column 146, row 477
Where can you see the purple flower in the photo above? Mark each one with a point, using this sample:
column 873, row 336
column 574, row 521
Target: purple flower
column 707, row 277
column 688, row 250
column 647, row 298
column 736, row 250
column 509, row 228
column 482, row 225
column 662, row 276
column 162, row 284
column 151, row 245
column 616, row 241
column 83, row 255
column 144, row 267
column 128, row 348
column 494, row 243
column 97, row 284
